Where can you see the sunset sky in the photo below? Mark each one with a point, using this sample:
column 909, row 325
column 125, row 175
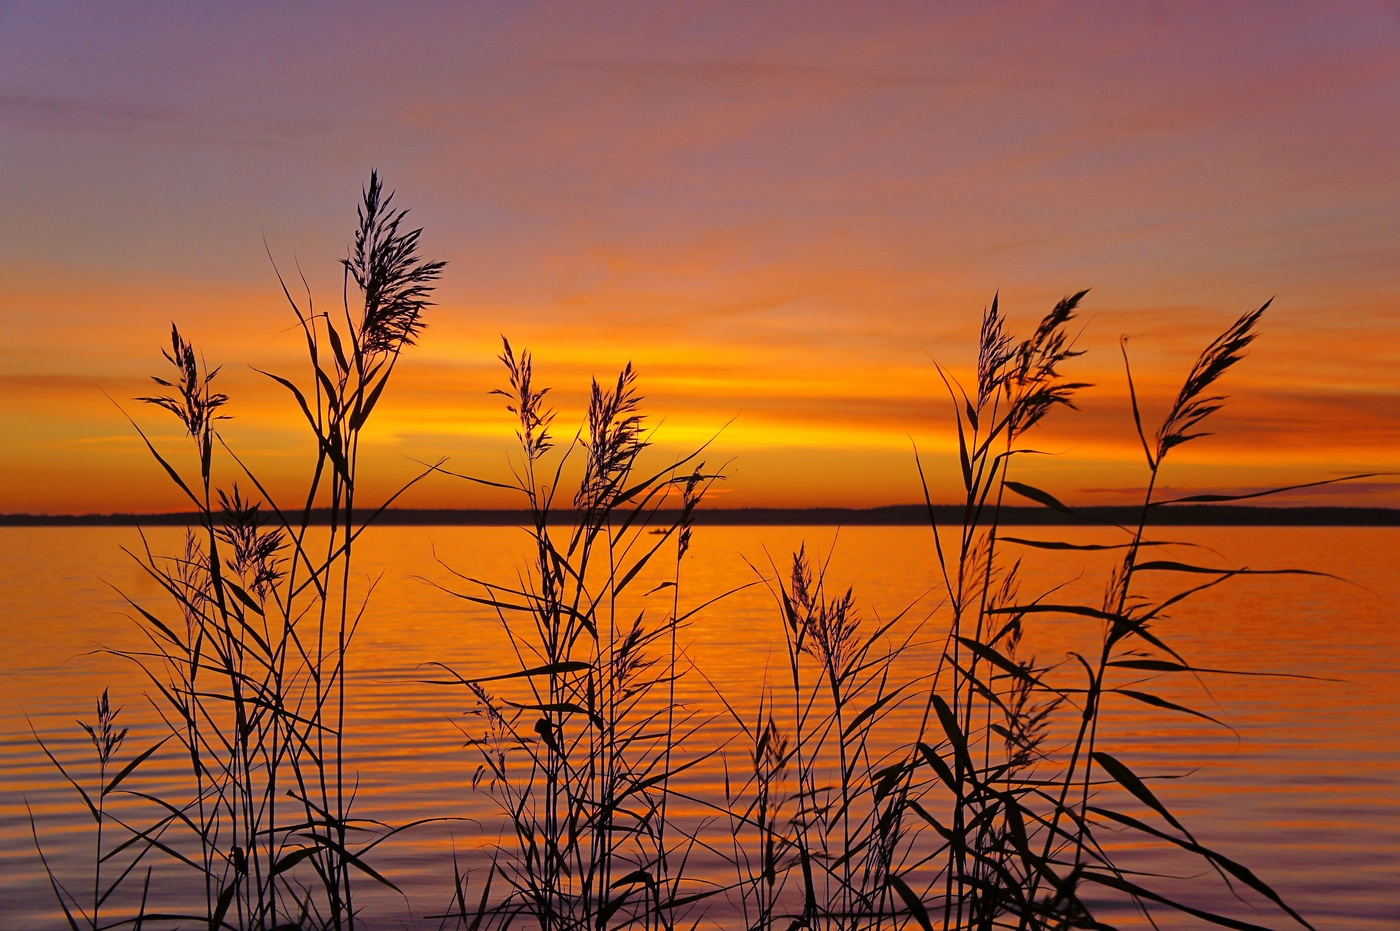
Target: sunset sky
column 781, row 213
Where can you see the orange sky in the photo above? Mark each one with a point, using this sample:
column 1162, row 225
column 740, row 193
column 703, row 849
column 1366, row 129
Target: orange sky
column 780, row 217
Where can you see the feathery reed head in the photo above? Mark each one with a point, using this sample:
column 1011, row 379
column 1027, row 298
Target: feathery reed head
column 1193, row 405
column 394, row 281
column 256, row 553
column 194, row 401
column 995, row 350
column 1026, row 374
column 104, row 734
column 826, row 628
column 1035, row 372
column 526, row 403
column 614, row 438
column 770, row 750
column 691, row 493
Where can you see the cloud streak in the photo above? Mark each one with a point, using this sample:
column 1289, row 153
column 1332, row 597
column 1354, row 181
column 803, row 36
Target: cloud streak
column 62, row 116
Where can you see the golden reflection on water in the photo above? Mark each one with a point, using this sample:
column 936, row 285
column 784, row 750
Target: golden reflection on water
column 1307, row 794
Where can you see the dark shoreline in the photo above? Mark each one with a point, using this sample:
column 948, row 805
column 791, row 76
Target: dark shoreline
column 1209, row 515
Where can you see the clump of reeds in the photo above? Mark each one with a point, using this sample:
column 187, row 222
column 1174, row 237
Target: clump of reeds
column 121, row 858
column 975, row 820
column 578, row 740
column 249, row 670
column 844, row 825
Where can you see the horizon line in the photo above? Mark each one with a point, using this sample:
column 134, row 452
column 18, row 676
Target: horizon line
column 1186, row 513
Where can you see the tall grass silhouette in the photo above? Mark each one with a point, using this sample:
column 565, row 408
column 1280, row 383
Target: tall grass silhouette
column 578, row 742
column 859, row 790
column 248, row 662
column 979, row 820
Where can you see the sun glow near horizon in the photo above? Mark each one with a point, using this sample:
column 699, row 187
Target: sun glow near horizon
column 790, row 434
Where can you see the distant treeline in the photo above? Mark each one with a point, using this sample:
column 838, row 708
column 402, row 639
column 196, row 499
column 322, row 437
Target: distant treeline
column 892, row 516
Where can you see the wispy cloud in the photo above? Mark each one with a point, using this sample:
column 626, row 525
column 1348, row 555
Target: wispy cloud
column 94, row 116
column 64, row 115
column 732, row 73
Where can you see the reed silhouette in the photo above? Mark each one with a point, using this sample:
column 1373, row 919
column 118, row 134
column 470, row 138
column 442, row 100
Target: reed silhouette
column 248, row 664
column 858, row 792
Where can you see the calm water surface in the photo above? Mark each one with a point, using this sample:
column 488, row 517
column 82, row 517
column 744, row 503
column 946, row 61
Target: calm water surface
column 1307, row 794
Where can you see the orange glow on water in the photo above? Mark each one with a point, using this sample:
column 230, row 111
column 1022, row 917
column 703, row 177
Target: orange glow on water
column 1302, row 794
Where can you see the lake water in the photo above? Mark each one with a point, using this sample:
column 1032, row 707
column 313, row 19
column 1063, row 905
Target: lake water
column 1306, row 791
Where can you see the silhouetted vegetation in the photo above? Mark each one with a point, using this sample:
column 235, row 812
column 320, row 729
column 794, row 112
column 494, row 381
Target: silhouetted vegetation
column 857, row 793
